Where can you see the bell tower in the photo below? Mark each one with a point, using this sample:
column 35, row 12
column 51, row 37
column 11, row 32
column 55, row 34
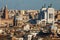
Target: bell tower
column 6, row 12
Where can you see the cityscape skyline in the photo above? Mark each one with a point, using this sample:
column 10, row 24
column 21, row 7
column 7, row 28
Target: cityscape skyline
column 29, row 4
column 28, row 23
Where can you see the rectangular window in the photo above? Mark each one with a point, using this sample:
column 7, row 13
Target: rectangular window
column 50, row 15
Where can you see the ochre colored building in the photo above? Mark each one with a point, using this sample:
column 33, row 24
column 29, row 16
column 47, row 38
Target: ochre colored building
column 57, row 15
column 6, row 21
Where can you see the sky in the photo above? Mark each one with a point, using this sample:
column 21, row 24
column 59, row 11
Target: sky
column 29, row 4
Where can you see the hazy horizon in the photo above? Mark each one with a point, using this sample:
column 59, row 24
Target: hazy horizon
column 29, row 4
